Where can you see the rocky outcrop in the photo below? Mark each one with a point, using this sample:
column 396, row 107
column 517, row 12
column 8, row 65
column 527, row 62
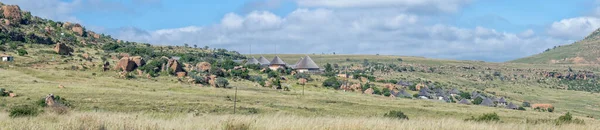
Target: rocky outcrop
column 139, row 61
column 78, row 29
column 63, row 49
column 203, row 66
column 126, row 64
column 175, row 66
column 12, row 12
column 50, row 100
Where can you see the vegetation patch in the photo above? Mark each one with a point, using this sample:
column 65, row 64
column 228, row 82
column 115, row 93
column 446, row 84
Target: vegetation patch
column 396, row 114
column 489, row 117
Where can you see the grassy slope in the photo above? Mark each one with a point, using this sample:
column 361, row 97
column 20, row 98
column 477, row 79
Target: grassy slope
column 164, row 96
column 586, row 49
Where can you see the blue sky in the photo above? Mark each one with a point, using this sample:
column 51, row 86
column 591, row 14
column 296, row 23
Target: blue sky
column 489, row 30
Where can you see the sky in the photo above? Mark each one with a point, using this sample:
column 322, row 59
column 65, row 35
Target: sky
column 484, row 30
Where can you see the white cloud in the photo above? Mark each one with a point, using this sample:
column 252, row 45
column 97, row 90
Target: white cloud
column 52, row 9
column 405, row 5
column 325, row 30
column 574, row 28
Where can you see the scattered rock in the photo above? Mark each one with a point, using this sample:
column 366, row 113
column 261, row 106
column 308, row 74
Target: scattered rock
column 61, row 86
column 12, row 12
column 77, row 29
column 50, row 100
column 63, row 49
column 126, row 64
column 12, row 95
column 203, row 66
column 139, row 61
column 181, row 74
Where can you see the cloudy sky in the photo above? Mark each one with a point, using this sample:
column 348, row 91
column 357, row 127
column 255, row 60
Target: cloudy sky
column 488, row 30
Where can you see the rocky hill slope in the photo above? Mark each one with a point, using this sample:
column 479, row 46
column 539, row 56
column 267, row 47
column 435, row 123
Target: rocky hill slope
column 586, row 51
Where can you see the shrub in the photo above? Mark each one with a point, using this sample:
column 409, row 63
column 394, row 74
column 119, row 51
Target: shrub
column 22, row 52
column 222, row 82
column 273, row 74
column 526, row 104
column 232, row 124
column 332, row 83
column 477, row 100
column 396, row 114
column 489, row 117
column 551, row 109
column 23, row 110
column 386, row 92
column 302, row 75
column 41, row 102
column 465, row 95
column 521, row 108
column 377, row 91
column 567, row 119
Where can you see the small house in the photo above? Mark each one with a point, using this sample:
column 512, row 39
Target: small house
column 277, row 63
column 252, row 61
column 6, row 58
column 307, row 65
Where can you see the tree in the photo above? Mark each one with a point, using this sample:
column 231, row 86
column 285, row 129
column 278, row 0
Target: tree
column 332, row 83
column 328, row 68
column 273, row 74
column 186, row 45
column 222, row 82
column 386, row 92
column 477, row 100
column 465, row 95
column 195, row 46
column 377, row 91
column 526, row 104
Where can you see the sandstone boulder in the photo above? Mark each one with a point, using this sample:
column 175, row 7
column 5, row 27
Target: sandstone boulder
column 63, row 49
column 203, row 66
column 86, row 56
column 175, row 66
column 50, row 100
column 139, row 61
column 61, row 86
column 12, row 12
column 369, row 91
column 78, row 29
column 12, row 94
column 181, row 74
column 126, row 64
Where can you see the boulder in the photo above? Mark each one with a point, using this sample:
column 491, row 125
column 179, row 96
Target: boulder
column 63, row 49
column 50, row 100
column 12, row 12
column 139, row 61
column 12, row 94
column 203, row 66
column 86, row 56
column 181, row 74
column 61, row 86
column 369, row 91
column 78, row 29
column 126, row 64
column 175, row 66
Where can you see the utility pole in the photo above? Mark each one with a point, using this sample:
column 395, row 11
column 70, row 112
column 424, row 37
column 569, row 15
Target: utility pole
column 235, row 100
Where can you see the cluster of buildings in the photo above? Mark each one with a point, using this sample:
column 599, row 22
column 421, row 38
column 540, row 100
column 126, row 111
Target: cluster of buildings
column 304, row 65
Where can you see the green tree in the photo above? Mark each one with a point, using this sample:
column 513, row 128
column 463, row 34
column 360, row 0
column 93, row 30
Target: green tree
column 328, row 68
column 386, row 92
column 22, row 52
column 222, row 82
column 332, row 83
column 477, row 100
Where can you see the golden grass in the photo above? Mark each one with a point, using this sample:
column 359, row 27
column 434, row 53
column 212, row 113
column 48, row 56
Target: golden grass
column 129, row 121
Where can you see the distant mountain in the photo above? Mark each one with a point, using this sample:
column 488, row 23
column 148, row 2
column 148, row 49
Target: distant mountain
column 586, row 51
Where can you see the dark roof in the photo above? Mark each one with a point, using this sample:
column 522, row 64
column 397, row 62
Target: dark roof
column 404, row 83
column 277, row 61
column 465, row 101
column 404, row 93
column 252, row 61
column 511, row 106
column 306, row 63
column 454, row 91
column 263, row 60
column 487, row 102
column 423, row 92
column 502, row 100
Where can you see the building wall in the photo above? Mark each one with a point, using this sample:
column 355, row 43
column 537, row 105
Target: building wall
column 274, row 67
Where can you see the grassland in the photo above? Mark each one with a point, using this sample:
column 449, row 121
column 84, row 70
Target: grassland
column 102, row 100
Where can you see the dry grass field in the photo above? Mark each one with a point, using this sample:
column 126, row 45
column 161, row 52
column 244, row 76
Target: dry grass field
column 101, row 100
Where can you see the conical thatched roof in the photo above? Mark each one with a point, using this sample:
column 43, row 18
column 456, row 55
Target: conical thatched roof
column 263, row 61
column 252, row 61
column 502, row 100
column 424, row 92
column 277, row 61
column 487, row 102
column 512, row 106
column 454, row 91
column 465, row 101
column 307, row 63
column 404, row 93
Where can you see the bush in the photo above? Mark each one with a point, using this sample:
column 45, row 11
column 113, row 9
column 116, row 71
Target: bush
column 22, row 52
column 521, row 108
column 490, row 117
column 303, row 75
column 377, row 91
column 386, row 92
column 567, row 119
column 551, row 109
column 396, row 114
column 526, row 104
column 222, row 82
column 465, row 95
column 332, row 83
column 477, row 100
column 273, row 74
column 23, row 110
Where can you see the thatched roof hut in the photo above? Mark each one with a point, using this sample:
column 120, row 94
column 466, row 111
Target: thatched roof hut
column 277, row 61
column 307, row 63
column 252, row 61
column 487, row 102
column 465, row 101
column 512, row 106
column 454, row 91
column 263, row 61
column 502, row 100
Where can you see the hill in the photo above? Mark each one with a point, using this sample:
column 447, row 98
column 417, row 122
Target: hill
column 586, row 51
column 216, row 92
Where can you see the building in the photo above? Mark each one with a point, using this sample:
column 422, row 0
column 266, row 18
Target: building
column 263, row 61
column 252, row 61
column 277, row 63
column 7, row 58
column 306, row 64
